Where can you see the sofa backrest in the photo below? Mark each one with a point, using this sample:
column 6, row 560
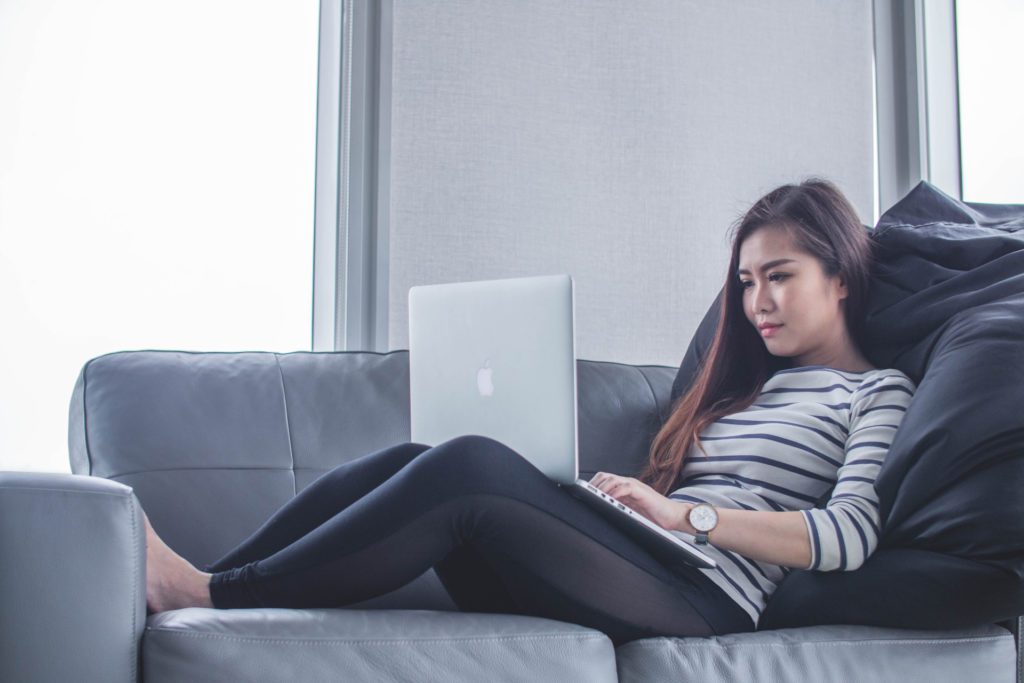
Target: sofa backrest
column 214, row 443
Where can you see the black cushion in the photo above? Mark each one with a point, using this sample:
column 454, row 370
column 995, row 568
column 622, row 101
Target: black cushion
column 946, row 307
column 897, row 588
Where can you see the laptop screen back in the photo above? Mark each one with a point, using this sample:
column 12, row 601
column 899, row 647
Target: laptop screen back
column 497, row 358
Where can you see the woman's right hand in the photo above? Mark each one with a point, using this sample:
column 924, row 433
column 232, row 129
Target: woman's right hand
column 667, row 513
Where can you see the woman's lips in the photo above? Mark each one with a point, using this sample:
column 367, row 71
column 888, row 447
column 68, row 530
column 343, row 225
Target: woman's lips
column 770, row 331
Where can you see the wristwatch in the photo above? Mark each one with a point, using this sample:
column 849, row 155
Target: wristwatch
column 703, row 518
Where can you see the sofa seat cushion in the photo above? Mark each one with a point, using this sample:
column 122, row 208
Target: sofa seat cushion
column 273, row 644
column 824, row 653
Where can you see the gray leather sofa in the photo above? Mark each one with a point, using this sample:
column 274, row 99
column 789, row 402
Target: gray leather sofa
column 212, row 443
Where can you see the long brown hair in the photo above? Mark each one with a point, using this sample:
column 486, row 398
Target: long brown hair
column 821, row 222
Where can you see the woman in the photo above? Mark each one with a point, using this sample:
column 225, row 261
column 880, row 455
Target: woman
column 784, row 413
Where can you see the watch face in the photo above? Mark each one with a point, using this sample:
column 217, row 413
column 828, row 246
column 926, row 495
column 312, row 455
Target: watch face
column 703, row 517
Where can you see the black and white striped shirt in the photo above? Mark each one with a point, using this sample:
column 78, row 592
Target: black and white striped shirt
column 811, row 427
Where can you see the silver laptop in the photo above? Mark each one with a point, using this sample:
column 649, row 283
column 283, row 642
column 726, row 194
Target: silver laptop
column 497, row 358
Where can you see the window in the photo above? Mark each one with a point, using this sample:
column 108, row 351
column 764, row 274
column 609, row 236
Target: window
column 989, row 65
column 156, row 191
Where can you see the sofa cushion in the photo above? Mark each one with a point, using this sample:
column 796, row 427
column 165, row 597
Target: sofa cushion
column 896, row 588
column 214, row 443
column 272, row 644
column 824, row 653
column 947, row 308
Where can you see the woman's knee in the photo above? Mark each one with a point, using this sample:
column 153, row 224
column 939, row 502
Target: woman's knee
column 474, row 455
column 389, row 459
column 411, row 448
column 476, row 442
column 474, row 446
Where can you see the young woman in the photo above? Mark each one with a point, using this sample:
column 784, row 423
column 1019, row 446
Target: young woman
column 785, row 405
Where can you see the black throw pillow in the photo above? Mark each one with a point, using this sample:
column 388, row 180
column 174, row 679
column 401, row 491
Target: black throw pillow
column 897, row 588
column 946, row 307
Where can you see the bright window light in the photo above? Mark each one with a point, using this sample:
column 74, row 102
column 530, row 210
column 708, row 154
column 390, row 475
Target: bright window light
column 990, row 64
column 156, row 191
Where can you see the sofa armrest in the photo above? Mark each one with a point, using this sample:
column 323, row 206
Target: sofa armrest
column 72, row 578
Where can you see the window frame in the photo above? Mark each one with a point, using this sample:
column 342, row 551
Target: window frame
column 351, row 222
column 917, row 98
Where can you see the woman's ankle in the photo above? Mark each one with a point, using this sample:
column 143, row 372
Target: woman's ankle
column 203, row 597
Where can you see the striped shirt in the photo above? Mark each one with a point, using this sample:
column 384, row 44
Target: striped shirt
column 810, row 428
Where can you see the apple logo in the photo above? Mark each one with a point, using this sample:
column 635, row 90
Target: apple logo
column 484, row 383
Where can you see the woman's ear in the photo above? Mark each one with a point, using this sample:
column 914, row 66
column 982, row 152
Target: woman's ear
column 841, row 287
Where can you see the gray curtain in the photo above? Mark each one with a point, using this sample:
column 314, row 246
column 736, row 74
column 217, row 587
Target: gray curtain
column 616, row 142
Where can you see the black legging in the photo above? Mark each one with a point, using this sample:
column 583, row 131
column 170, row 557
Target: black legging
column 502, row 537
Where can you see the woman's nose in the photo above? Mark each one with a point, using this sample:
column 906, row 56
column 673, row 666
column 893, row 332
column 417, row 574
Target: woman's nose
column 762, row 299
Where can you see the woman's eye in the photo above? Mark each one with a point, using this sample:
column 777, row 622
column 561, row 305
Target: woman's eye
column 744, row 283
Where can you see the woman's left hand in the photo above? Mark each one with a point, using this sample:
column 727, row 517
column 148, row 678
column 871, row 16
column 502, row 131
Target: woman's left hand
column 666, row 513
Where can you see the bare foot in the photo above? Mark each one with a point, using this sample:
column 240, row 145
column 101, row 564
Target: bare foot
column 171, row 581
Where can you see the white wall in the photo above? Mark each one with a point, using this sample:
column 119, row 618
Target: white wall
column 156, row 191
